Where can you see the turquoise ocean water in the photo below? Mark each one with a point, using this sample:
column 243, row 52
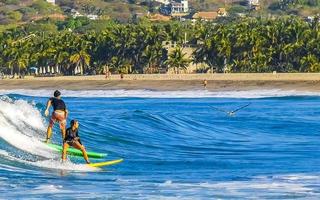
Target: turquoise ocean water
column 174, row 145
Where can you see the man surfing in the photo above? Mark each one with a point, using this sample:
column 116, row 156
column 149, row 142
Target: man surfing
column 72, row 139
column 60, row 114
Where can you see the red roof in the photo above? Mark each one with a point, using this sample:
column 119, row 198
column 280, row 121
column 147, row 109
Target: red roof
column 205, row 15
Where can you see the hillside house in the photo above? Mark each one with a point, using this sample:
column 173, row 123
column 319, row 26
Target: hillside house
column 93, row 17
column 175, row 7
column 222, row 12
column 209, row 16
column 253, row 4
column 180, row 7
column 205, row 16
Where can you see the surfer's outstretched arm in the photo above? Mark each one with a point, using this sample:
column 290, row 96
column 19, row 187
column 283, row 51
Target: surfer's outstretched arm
column 48, row 107
column 46, row 113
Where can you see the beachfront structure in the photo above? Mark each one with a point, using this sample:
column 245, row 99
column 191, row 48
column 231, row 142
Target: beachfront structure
column 51, row 1
column 188, row 52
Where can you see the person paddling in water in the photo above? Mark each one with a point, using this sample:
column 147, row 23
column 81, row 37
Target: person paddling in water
column 60, row 114
column 72, row 139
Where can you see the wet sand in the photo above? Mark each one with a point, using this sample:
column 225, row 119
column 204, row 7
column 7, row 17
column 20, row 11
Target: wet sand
column 216, row 82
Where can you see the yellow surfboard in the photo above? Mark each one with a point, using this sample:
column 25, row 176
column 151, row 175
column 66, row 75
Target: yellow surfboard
column 106, row 163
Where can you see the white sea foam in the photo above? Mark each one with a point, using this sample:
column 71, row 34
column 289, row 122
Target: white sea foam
column 289, row 186
column 45, row 189
column 262, row 186
column 57, row 165
column 165, row 94
column 22, row 126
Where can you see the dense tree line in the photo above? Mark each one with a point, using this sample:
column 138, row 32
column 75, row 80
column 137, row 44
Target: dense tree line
column 258, row 45
column 246, row 45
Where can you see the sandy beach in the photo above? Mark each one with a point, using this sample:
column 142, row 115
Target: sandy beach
column 216, row 82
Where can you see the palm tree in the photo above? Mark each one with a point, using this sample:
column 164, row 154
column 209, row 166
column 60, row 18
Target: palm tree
column 80, row 59
column 284, row 44
column 150, row 58
column 310, row 63
column 177, row 60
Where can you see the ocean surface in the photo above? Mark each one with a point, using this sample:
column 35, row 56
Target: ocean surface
column 175, row 145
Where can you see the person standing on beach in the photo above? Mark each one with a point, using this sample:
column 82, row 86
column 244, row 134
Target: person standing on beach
column 205, row 84
column 107, row 72
column 59, row 114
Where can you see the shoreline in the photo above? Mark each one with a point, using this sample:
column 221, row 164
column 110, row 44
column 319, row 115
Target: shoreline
column 208, row 76
column 171, row 82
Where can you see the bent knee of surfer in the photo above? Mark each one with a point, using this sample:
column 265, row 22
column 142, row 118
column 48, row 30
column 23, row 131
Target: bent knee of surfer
column 78, row 145
column 60, row 114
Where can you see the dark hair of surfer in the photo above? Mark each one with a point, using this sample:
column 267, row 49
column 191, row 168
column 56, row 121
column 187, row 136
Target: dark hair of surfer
column 56, row 93
column 73, row 122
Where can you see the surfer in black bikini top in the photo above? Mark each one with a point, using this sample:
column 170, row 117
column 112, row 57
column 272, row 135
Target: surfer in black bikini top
column 59, row 114
column 72, row 139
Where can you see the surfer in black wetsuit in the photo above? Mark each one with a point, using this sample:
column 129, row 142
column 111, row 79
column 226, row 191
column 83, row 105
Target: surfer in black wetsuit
column 60, row 114
column 72, row 139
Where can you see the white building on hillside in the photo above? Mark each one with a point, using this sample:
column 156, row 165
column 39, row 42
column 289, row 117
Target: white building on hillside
column 51, row 1
column 174, row 7
column 75, row 13
column 179, row 7
column 165, row 2
column 253, row 3
column 93, row 17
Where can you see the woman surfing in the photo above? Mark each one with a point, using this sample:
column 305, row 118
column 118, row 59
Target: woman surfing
column 60, row 114
column 72, row 139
